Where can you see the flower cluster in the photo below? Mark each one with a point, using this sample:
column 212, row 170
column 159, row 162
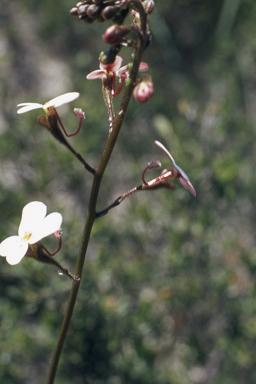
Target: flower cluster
column 34, row 226
column 100, row 10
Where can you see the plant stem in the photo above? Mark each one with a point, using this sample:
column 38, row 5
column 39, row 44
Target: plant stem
column 91, row 213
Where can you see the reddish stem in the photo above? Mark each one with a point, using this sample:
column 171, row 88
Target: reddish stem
column 120, row 86
column 54, row 253
column 64, row 130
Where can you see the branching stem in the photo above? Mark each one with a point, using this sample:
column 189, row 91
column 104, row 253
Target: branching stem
column 91, row 213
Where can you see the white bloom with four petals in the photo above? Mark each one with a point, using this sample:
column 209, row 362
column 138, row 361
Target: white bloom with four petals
column 34, row 226
column 56, row 102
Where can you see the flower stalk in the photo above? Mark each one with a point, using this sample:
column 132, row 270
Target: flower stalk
column 35, row 225
column 91, row 212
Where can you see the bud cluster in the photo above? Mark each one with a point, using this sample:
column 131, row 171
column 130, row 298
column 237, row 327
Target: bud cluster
column 100, row 10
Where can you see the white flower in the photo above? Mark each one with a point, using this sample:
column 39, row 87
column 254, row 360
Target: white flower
column 56, row 102
column 34, row 226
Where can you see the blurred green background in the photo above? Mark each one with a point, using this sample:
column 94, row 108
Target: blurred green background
column 168, row 292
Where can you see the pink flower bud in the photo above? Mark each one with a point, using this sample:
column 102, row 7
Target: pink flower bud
column 148, row 5
column 144, row 90
column 57, row 234
column 79, row 113
column 115, row 34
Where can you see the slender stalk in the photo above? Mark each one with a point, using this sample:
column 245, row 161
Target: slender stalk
column 108, row 98
column 119, row 200
column 91, row 213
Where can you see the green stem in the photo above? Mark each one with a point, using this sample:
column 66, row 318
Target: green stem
column 91, row 213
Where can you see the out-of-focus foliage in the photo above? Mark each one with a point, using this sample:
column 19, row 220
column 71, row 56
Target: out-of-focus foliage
column 168, row 291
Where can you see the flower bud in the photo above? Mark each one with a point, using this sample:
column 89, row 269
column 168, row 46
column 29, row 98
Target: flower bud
column 144, row 90
column 82, row 10
column 115, row 34
column 109, row 12
column 73, row 12
column 93, row 11
column 57, row 234
column 148, row 5
column 109, row 55
column 79, row 113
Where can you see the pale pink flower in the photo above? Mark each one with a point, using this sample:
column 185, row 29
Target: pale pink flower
column 106, row 69
column 115, row 70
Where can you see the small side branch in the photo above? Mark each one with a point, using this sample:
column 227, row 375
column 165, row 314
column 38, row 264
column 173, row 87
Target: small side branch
column 154, row 184
column 119, row 200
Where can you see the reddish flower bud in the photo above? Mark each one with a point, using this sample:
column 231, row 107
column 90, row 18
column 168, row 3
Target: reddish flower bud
column 115, row 34
column 93, row 11
column 148, row 5
column 73, row 12
column 57, row 234
column 144, row 90
column 82, row 10
column 79, row 113
column 109, row 12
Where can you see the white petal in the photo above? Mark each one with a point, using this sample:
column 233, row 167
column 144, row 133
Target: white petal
column 32, row 216
column 160, row 145
column 62, row 99
column 48, row 226
column 187, row 184
column 14, row 248
column 28, row 107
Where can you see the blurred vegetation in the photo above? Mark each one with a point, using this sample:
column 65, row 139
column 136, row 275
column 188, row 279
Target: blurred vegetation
column 168, row 291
